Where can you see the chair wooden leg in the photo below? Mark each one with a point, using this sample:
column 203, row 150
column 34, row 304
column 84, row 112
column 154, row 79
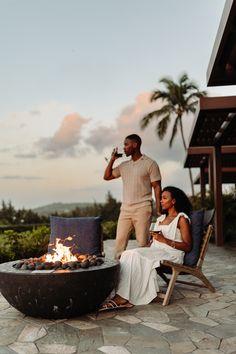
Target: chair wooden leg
column 170, row 287
column 205, row 281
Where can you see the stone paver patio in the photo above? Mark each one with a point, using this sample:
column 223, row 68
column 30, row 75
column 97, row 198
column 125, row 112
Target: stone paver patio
column 196, row 321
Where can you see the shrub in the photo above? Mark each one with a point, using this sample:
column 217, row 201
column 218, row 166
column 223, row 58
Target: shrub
column 109, row 229
column 14, row 245
column 229, row 211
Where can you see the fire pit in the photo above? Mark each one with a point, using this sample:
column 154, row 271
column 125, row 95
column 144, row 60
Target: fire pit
column 58, row 291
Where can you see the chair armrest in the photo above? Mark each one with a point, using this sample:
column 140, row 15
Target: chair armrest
column 177, row 266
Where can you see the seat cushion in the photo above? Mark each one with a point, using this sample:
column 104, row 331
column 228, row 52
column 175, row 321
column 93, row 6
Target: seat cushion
column 85, row 231
column 196, row 217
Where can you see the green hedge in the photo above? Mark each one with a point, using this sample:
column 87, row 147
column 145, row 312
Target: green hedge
column 21, row 227
column 229, row 212
column 14, row 245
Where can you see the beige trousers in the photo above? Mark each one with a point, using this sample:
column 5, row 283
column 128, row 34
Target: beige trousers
column 133, row 218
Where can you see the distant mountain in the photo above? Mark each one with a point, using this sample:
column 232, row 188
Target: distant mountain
column 51, row 209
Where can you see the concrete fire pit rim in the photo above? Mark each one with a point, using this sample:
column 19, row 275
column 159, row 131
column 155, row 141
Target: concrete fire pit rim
column 7, row 267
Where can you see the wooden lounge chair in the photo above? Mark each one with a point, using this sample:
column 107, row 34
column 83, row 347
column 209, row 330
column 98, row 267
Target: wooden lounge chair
column 195, row 270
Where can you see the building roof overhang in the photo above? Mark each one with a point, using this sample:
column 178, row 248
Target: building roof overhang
column 222, row 66
column 214, row 124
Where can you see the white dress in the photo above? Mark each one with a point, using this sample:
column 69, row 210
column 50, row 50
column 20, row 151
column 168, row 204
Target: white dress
column 138, row 277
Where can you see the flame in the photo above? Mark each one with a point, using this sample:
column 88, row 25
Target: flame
column 61, row 253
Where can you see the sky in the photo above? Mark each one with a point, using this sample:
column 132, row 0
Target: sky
column 76, row 79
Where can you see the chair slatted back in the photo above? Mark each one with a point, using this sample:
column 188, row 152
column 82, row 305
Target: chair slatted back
column 204, row 246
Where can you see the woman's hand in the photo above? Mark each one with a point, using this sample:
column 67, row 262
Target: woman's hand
column 158, row 236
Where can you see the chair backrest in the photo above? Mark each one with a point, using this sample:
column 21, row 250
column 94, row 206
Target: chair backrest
column 85, row 233
column 204, row 246
column 200, row 219
column 208, row 217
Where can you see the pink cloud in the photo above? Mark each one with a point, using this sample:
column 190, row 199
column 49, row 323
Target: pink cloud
column 65, row 139
column 127, row 122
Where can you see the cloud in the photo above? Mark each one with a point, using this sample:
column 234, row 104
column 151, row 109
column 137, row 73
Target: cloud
column 65, row 139
column 35, row 112
column 128, row 122
column 5, row 150
column 101, row 137
column 17, row 177
column 25, row 156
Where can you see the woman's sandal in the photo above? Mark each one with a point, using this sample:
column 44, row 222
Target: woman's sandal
column 112, row 305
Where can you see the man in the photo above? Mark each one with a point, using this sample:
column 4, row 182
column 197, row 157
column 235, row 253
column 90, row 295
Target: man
column 139, row 175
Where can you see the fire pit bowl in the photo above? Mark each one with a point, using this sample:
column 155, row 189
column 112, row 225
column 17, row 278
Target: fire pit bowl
column 58, row 293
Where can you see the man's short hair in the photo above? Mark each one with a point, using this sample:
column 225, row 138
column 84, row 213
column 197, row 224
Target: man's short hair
column 135, row 138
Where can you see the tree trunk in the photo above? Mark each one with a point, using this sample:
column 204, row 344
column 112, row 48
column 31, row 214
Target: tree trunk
column 185, row 148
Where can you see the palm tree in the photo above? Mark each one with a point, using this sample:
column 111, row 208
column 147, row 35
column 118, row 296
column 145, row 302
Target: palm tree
column 178, row 99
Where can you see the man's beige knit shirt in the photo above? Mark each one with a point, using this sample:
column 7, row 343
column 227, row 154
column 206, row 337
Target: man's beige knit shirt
column 137, row 177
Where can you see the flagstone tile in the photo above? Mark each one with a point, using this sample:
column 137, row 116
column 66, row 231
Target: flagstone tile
column 60, row 333
column 4, row 306
column 175, row 336
column 6, row 350
column 81, row 324
column 24, row 348
column 222, row 331
column 117, row 335
column 9, row 322
column 57, row 349
column 147, row 342
column 195, row 335
column 228, row 345
column 150, row 350
column 128, row 318
column 92, row 351
column 39, row 321
column 226, row 312
column 186, row 324
column 178, row 317
column 193, row 311
column 227, row 320
column 113, row 349
column 204, row 320
column 182, row 347
column 152, row 316
column 207, row 351
column 31, row 333
column 173, row 309
column 209, row 342
column 160, row 327
column 8, row 335
column 214, row 305
column 191, row 301
column 90, row 339
column 190, row 293
column 11, row 312
column 104, row 315
column 208, row 296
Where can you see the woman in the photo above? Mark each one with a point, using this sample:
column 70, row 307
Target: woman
column 138, row 284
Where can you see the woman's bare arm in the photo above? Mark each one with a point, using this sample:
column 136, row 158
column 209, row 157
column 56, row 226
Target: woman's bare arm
column 186, row 244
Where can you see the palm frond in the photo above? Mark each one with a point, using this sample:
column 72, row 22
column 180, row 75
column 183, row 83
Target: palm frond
column 165, row 110
column 191, row 107
column 146, row 120
column 158, row 95
column 174, row 131
column 162, row 126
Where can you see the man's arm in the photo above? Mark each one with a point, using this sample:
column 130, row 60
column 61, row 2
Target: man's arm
column 108, row 171
column 157, row 191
